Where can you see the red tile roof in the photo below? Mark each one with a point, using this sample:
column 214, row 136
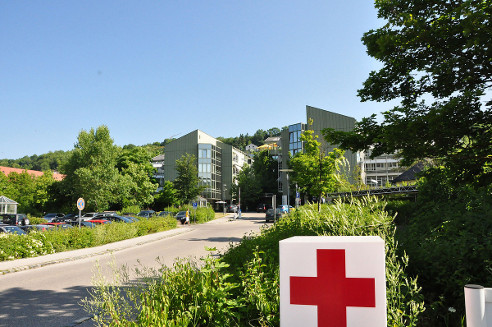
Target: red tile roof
column 34, row 173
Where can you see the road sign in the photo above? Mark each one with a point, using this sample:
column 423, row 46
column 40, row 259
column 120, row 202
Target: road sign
column 195, row 205
column 80, row 204
column 332, row 281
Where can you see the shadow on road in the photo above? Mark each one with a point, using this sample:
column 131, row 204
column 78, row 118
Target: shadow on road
column 22, row 307
column 216, row 239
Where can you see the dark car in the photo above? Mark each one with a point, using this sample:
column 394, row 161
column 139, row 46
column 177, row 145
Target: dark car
column 270, row 215
column 52, row 217
column 82, row 224
column 114, row 217
column 261, row 208
column 15, row 219
column 165, row 213
column 146, row 213
column 99, row 221
column 10, row 229
column 181, row 216
column 71, row 216
column 60, row 225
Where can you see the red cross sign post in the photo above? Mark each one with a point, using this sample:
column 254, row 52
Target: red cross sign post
column 332, row 281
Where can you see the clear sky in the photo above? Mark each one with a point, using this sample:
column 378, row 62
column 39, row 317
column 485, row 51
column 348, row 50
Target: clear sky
column 151, row 70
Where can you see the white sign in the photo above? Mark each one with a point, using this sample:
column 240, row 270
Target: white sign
column 336, row 281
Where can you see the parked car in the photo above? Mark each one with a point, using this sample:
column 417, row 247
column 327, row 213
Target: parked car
column 88, row 216
column 232, row 208
column 40, row 228
column 60, row 225
column 270, row 215
column 146, row 213
column 11, row 229
column 181, row 216
column 114, row 217
column 285, row 208
column 15, row 219
column 261, row 208
column 51, row 217
column 99, row 221
column 71, row 216
column 82, row 224
column 165, row 213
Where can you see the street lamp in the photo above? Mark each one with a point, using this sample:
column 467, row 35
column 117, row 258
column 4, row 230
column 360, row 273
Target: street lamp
column 288, row 186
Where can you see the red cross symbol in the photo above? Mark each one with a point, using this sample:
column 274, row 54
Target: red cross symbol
column 331, row 291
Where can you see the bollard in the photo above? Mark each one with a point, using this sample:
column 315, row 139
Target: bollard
column 478, row 305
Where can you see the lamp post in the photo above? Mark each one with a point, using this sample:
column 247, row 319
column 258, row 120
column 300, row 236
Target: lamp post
column 287, row 171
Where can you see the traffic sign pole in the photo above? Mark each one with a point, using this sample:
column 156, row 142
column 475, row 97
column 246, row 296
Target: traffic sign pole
column 81, row 206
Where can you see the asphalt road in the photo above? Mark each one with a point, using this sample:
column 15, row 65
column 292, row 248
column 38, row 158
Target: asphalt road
column 47, row 290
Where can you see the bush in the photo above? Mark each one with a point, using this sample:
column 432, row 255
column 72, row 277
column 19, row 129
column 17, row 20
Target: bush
column 59, row 240
column 449, row 241
column 242, row 288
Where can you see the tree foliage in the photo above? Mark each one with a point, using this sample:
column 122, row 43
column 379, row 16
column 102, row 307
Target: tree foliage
column 91, row 170
column 187, row 182
column 314, row 171
column 436, row 62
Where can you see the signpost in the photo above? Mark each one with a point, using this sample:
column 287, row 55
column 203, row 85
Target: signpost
column 80, row 206
column 195, row 205
column 336, row 281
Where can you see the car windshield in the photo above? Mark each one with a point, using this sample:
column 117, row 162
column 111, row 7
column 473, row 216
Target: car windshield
column 14, row 230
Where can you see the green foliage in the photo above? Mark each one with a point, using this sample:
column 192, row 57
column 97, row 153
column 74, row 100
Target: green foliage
column 91, row 170
column 257, row 138
column 436, row 62
column 166, row 197
column 184, row 295
column 47, row 161
column 187, row 182
column 59, row 240
column 242, row 288
column 315, row 172
column 448, row 238
column 20, row 246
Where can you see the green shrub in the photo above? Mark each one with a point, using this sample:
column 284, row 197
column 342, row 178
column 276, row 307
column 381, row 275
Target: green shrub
column 242, row 288
column 59, row 240
column 448, row 239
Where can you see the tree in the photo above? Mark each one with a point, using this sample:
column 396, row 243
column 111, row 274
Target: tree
column 250, row 186
column 265, row 168
column 91, row 170
column 436, row 62
column 187, row 182
column 315, row 172
column 167, row 196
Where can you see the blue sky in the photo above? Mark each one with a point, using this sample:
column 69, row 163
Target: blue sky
column 150, row 70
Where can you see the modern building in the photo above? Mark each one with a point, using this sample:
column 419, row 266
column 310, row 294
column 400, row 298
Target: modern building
column 290, row 140
column 381, row 170
column 218, row 163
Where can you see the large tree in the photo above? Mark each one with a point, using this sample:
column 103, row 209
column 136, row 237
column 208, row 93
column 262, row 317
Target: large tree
column 91, row 170
column 436, row 58
column 314, row 171
column 187, row 183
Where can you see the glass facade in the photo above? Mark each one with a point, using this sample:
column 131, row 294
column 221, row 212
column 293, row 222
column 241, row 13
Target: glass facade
column 295, row 143
column 209, row 170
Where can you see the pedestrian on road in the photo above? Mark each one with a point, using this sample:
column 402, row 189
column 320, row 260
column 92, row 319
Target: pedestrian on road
column 187, row 221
